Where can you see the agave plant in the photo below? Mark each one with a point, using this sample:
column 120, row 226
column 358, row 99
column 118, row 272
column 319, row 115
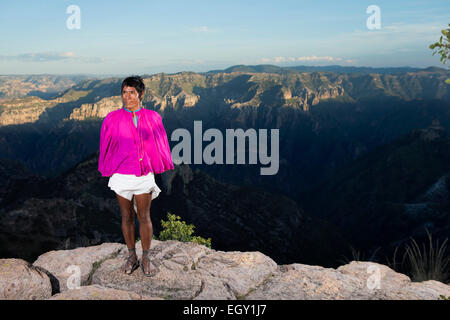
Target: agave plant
column 429, row 263
column 359, row 256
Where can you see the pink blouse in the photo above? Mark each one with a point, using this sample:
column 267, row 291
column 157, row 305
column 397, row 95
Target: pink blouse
column 129, row 150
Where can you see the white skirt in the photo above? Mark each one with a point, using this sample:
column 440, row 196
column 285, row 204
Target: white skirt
column 127, row 185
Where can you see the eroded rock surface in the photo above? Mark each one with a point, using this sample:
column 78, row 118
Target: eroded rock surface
column 189, row 271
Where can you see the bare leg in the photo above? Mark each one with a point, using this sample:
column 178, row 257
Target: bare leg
column 143, row 203
column 128, row 214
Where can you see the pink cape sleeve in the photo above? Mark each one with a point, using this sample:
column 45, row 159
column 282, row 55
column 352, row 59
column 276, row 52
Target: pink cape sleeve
column 163, row 142
column 105, row 147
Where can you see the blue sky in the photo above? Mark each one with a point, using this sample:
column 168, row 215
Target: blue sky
column 145, row 37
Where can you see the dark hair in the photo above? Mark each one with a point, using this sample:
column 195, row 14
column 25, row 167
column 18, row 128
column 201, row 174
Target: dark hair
column 135, row 82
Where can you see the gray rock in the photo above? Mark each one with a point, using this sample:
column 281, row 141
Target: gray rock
column 426, row 290
column 304, row 282
column 74, row 267
column 96, row 292
column 189, row 271
column 239, row 273
column 354, row 281
column 19, row 280
column 175, row 280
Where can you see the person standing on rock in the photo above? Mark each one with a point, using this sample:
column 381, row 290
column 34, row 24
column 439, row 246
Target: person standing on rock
column 133, row 148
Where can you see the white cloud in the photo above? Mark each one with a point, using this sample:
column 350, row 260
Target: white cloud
column 188, row 61
column 303, row 58
column 68, row 54
column 392, row 41
column 50, row 57
column 315, row 58
column 201, row 29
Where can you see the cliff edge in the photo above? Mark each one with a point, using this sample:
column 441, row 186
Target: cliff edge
column 189, row 271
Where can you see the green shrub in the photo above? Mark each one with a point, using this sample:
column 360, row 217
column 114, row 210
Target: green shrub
column 173, row 229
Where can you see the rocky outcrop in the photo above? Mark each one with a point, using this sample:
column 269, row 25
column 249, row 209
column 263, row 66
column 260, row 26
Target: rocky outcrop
column 19, row 280
column 96, row 292
column 80, row 262
column 186, row 176
column 188, row 271
column 301, row 91
column 180, row 100
column 354, row 281
column 308, row 98
column 96, row 110
column 23, row 110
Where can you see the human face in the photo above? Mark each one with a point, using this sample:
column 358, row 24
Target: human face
column 130, row 98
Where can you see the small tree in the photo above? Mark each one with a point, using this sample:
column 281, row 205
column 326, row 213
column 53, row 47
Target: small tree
column 179, row 230
column 443, row 47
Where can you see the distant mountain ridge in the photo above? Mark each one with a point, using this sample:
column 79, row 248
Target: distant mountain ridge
column 330, row 68
column 43, row 85
column 236, row 87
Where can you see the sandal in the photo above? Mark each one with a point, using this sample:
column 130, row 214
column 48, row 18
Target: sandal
column 148, row 271
column 131, row 264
